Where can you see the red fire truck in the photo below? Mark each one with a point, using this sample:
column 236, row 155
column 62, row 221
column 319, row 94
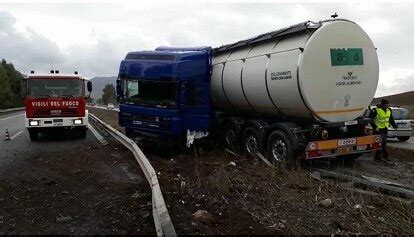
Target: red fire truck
column 56, row 101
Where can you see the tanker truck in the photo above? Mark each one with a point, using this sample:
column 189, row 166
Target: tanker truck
column 295, row 93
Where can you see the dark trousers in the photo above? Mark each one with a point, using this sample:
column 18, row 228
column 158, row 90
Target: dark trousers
column 383, row 133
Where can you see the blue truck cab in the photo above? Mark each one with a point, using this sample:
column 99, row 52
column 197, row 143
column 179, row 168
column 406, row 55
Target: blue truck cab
column 165, row 93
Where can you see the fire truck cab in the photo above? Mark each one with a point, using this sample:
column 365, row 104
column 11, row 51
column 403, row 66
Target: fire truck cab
column 56, row 101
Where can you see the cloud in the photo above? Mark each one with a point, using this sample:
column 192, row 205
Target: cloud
column 30, row 49
column 395, row 81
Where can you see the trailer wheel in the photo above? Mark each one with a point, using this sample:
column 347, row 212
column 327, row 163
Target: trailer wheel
column 251, row 141
column 403, row 139
column 231, row 137
column 280, row 150
column 33, row 134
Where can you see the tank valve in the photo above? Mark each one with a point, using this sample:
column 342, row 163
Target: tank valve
column 334, row 15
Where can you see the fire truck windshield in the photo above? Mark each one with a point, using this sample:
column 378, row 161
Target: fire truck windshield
column 55, row 88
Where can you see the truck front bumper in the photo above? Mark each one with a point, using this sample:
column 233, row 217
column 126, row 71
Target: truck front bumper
column 55, row 122
column 339, row 147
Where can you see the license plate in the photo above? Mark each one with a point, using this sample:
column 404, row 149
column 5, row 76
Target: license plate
column 403, row 125
column 347, row 142
column 351, row 122
column 58, row 123
column 344, row 150
column 362, row 148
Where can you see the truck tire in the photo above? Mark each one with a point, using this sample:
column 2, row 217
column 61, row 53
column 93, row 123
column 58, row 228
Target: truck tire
column 83, row 133
column 33, row 134
column 129, row 133
column 280, row 150
column 251, row 142
column 403, row 139
column 231, row 137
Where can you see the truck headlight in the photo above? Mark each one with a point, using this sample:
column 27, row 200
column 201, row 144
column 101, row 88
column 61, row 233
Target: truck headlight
column 34, row 123
column 77, row 121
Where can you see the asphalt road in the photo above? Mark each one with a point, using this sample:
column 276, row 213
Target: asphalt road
column 11, row 150
column 63, row 184
column 407, row 145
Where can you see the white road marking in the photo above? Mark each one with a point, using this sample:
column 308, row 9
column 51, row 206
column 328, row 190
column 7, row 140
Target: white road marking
column 12, row 117
column 98, row 135
column 15, row 135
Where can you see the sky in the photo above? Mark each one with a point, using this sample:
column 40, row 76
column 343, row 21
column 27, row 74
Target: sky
column 93, row 37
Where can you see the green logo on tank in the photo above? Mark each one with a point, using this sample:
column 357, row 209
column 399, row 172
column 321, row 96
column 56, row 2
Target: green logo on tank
column 347, row 57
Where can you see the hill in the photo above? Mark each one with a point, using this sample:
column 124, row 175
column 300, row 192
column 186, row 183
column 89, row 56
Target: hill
column 98, row 83
column 406, row 98
column 10, row 86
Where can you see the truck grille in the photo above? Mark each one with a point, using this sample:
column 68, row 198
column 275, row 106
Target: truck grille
column 148, row 122
column 55, row 112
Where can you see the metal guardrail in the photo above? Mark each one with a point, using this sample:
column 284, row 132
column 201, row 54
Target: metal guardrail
column 162, row 220
column 103, row 107
column 11, row 110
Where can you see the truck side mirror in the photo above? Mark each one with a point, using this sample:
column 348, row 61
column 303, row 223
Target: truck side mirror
column 89, row 86
column 118, row 91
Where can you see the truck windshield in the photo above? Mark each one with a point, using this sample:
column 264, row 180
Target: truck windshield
column 400, row 113
column 151, row 92
column 55, row 88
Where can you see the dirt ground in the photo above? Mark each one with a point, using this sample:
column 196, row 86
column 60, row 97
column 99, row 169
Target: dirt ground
column 245, row 197
column 90, row 190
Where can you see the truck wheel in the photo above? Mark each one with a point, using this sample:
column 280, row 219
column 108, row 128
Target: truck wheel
column 231, row 138
column 83, row 133
column 129, row 133
column 251, row 141
column 33, row 134
column 280, row 150
column 403, row 139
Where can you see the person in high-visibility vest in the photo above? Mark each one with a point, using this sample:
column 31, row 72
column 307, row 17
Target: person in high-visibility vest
column 382, row 116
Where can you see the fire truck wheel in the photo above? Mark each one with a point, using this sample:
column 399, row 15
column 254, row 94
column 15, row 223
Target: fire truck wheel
column 33, row 134
column 83, row 133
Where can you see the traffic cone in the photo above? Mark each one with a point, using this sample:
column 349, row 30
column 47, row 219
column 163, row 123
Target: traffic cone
column 7, row 135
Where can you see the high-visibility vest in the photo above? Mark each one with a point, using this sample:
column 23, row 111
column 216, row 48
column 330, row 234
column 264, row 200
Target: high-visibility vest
column 382, row 120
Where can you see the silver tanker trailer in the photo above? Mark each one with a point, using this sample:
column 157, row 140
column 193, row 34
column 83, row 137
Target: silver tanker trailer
column 299, row 91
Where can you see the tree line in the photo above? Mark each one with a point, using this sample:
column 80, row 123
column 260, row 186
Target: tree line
column 108, row 95
column 10, row 86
